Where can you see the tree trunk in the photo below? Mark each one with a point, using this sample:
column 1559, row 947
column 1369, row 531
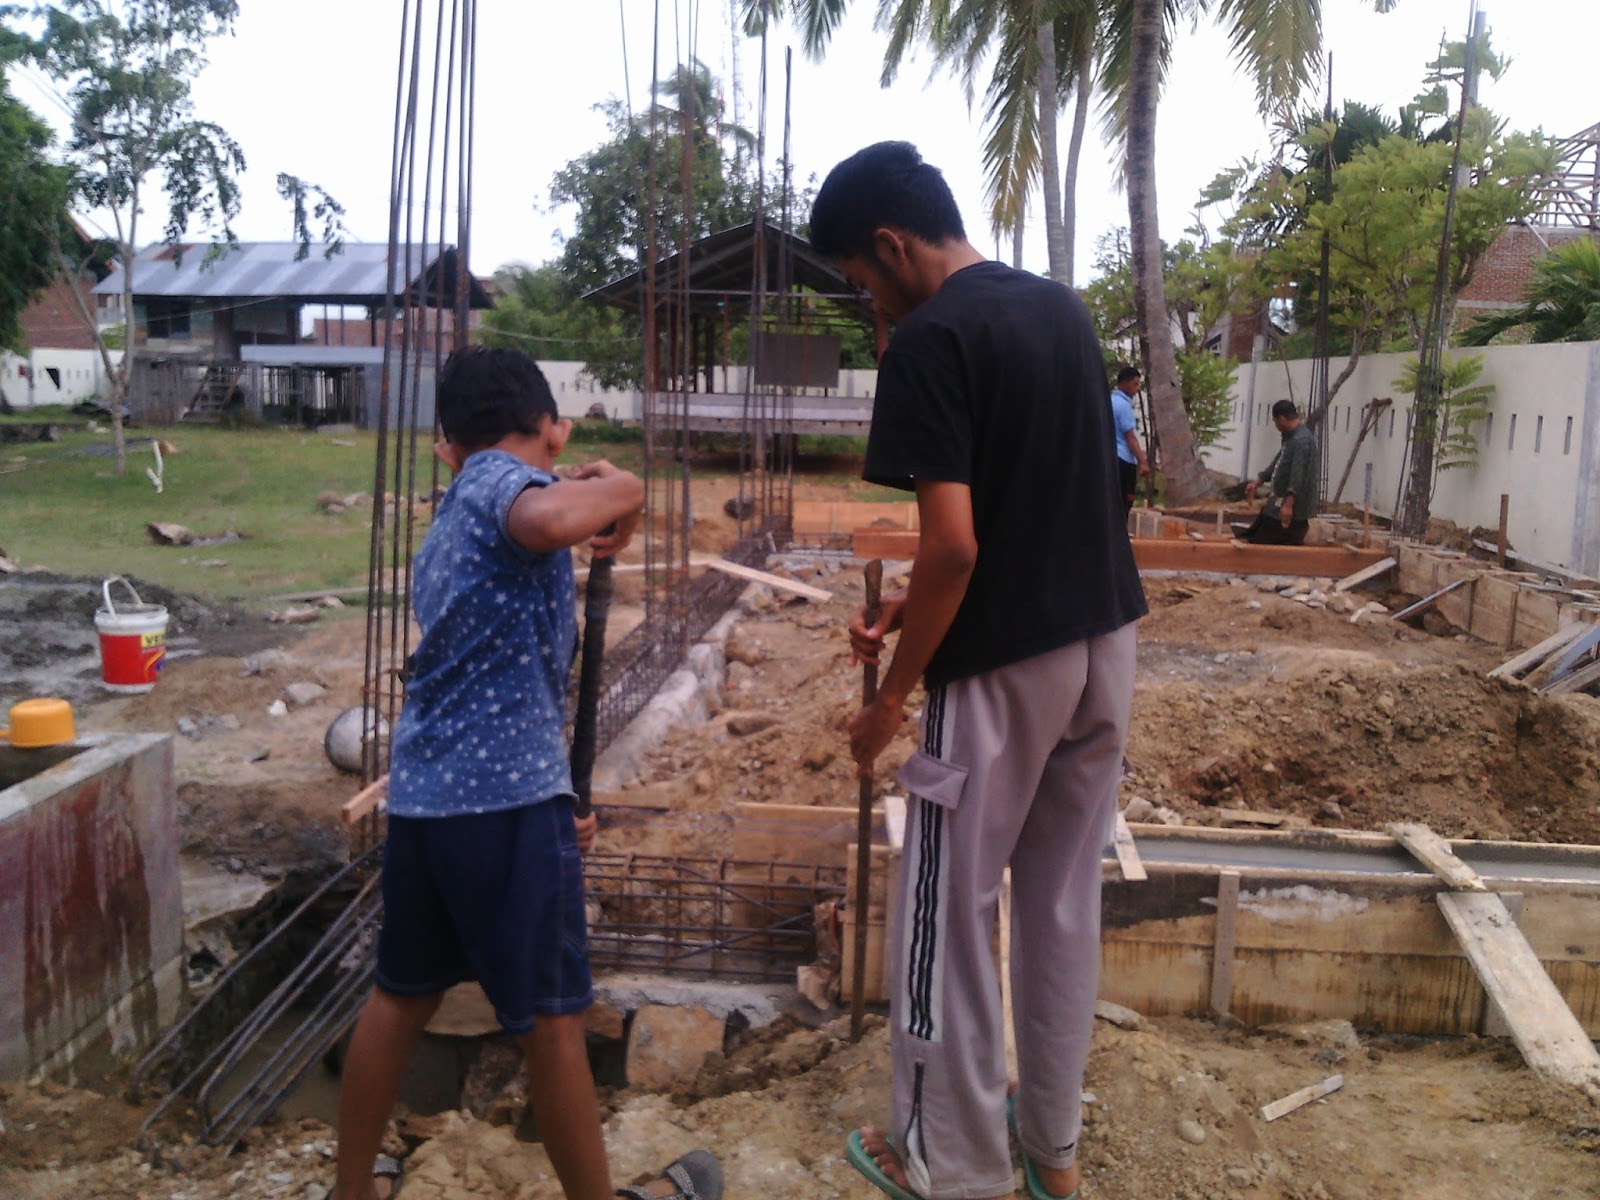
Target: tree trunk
column 1187, row 481
column 119, row 381
column 1050, row 157
column 1016, row 240
column 1084, row 71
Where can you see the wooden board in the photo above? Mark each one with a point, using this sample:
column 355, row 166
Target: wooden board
column 1127, row 852
column 754, row 576
column 1175, row 554
column 1245, row 816
column 1535, row 655
column 1494, row 1021
column 365, row 801
column 1433, row 852
column 1294, row 1100
column 1552, row 1042
column 1364, row 575
column 794, row 833
column 1226, row 944
column 1578, row 681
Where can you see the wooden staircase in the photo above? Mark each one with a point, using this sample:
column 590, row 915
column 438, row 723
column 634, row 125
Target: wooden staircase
column 217, row 387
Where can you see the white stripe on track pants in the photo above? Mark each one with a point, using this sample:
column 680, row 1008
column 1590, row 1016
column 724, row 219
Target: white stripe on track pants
column 1019, row 767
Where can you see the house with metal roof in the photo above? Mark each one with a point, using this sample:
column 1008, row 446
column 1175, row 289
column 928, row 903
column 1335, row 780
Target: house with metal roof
column 220, row 327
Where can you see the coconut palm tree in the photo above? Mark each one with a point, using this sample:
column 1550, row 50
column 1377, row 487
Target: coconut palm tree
column 1279, row 44
column 1038, row 51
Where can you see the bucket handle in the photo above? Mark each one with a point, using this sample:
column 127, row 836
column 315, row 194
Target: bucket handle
column 105, row 590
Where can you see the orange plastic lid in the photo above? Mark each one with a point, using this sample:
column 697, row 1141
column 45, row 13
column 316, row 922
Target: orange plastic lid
column 43, row 722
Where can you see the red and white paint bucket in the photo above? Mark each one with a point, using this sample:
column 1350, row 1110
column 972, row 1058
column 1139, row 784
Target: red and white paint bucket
column 133, row 641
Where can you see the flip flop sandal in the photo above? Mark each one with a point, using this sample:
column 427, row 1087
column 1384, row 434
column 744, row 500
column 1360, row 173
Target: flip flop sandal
column 389, row 1169
column 858, row 1158
column 1030, row 1173
column 696, row 1176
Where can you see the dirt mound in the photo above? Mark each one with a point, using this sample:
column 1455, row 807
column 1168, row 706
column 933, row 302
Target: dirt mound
column 1472, row 756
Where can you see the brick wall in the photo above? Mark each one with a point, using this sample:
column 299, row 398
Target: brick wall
column 53, row 321
column 1503, row 276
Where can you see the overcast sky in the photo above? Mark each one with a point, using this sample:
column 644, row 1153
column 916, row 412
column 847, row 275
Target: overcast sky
column 308, row 86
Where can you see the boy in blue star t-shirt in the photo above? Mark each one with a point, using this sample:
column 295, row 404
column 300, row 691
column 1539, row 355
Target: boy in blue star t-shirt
column 482, row 871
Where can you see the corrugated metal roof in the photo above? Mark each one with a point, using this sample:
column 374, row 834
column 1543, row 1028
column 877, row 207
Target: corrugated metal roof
column 267, row 270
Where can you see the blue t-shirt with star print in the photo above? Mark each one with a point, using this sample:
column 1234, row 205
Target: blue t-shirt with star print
column 482, row 728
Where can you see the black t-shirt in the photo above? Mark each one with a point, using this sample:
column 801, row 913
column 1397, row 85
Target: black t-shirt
column 997, row 382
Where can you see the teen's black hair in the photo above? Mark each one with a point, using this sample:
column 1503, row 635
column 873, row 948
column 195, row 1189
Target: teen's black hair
column 486, row 392
column 1285, row 408
column 885, row 185
column 1126, row 373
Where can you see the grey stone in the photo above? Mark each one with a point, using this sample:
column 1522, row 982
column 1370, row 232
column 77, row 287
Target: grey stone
column 304, row 693
column 188, row 727
column 1331, row 810
column 1139, row 809
column 742, row 724
column 1191, row 1131
column 1241, row 1176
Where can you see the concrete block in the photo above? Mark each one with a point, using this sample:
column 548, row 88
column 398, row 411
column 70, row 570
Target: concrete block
column 91, row 914
column 605, row 1020
column 668, row 1045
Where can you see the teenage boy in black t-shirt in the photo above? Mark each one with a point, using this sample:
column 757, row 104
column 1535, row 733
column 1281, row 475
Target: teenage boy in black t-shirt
column 1019, row 616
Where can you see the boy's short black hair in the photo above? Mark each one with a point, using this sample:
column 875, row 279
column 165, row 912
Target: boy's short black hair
column 1285, row 409
column 885, row 185
column 487, row 392
column 1126, row 373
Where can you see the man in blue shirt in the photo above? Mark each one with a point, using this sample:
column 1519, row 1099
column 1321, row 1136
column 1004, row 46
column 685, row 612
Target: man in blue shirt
column 1131, row 462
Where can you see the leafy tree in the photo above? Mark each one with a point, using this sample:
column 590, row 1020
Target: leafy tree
column 1464, row 402
column 538, row 310
column 129, row 68
column 1278, row 43
column 1562, row 303
column 1037, row 52
column 34, row 218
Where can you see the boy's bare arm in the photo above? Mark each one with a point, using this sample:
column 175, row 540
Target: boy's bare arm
column 569, row 513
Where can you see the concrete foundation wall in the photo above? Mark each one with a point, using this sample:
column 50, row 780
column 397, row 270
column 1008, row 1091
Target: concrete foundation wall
column 1541, row 445
column 91, row 908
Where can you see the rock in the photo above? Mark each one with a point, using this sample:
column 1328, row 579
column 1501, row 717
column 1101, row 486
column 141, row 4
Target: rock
column 280, row 1178
column 1270, row 583
column 743, row 649
column 187, row 727
column 297, row 615
column 743, row 724
column 1166, row 816
column 1191, row 1131
column 358, row 500
column 1253, row 605
column 328, row 499
column 1241, row 1176
column 304, row 693
column 330, row 602
column 316, row 1191
column 1139, row 809
column 1331, row 810
column 332, row 510
column 1118, row 1015
column 343, row 741
column 277, row 709
column 415, row 1130
column 236, row 866
column 669, row 1045
column 605, row 1020
column 739, row 507
column 165, row 533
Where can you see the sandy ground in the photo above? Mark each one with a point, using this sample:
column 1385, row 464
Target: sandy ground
column 1244, row 700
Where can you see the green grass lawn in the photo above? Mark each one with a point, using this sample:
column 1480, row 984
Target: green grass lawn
column 72, row 514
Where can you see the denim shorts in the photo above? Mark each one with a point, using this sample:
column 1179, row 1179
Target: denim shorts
column 496, row 897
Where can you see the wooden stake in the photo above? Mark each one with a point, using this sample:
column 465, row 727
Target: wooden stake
column 1500, row 540
column 1222, row 956
column 869, row 692
column 1294, row 1100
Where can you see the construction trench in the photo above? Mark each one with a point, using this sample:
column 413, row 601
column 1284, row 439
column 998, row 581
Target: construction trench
column 1396, row 889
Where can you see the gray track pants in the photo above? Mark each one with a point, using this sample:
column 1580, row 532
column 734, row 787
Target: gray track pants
column 1019, row 766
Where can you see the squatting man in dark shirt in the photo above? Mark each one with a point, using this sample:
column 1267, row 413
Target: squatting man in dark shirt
column 1019, row 619
column 1294, row 475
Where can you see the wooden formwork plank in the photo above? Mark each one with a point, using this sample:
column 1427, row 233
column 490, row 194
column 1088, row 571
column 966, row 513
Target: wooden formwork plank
column 1127, row 852
column 1535, row 655
column 778, row 582
column 1433, row 852
column 1176, row 554
column 1552, row 1041
column 1227, row 930
column 1294, row 1100
column 1366, row 574
column 365, row 801
column 793, row 833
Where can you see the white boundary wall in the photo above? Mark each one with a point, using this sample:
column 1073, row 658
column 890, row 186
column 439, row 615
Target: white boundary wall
column 1540, row 446
column 574, row 395
column 83, row 376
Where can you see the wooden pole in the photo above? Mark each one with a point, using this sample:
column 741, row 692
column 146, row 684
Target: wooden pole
column 1500, row 541
column 869, row 692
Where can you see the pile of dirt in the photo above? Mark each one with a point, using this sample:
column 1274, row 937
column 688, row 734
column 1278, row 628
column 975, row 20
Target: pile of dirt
column 1361, row 742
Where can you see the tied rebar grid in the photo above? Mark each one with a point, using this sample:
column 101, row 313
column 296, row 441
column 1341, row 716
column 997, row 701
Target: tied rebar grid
column 715, row 918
